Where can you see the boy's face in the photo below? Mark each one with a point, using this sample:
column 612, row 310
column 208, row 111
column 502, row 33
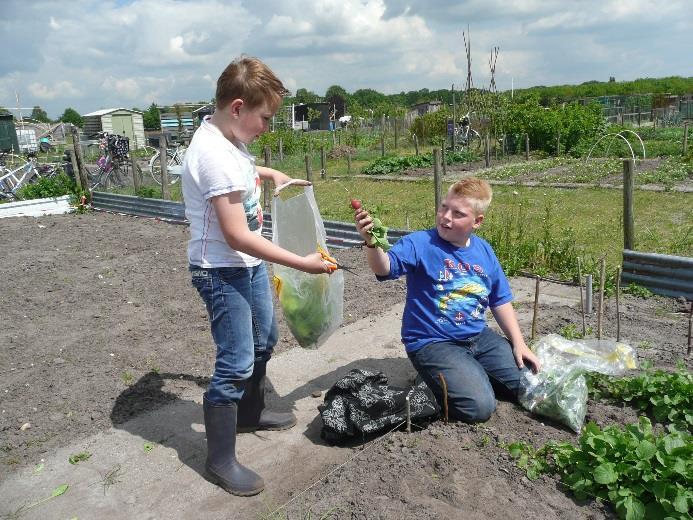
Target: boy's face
column 456, row 220
column 250, row 123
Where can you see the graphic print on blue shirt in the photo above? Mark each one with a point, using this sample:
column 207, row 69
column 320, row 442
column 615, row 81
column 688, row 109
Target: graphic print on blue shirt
column 462, row 293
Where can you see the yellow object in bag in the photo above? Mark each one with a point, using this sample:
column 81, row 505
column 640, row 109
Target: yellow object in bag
column 312, row 303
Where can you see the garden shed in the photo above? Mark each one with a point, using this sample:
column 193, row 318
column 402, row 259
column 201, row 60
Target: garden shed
column 8, row 134
column 121, row 121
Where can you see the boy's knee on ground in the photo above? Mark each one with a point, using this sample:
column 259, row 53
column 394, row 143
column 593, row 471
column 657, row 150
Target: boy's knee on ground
column 473, row 410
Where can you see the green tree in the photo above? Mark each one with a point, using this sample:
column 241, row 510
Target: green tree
column 72, row 116
column 336, row 90
column 151, row 118
column 305, row 96
column 39, row 114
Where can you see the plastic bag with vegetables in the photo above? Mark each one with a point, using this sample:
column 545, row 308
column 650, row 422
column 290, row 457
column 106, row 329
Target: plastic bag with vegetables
column 559, row 390
column 312, row 303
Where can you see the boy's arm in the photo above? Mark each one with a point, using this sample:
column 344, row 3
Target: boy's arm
column 277, row 177
column 378, row 260
column 507, row 320
column 229, row 210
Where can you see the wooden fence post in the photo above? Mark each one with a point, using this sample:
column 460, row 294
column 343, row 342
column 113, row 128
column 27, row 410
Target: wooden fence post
column 685, row 138
column 382, row 145
column 558, row 143
column 266, row 198
column 281, row 149
column 436, row 179
column 443, row 159
column 487, row 152
column 527, row 147
column 395, row 127
column 136, row 179
column 348, row 162
column 309, row 170
column 163, row 162
column 628, row 218
column 80, row 171
column 416, row 144
column 323, row 165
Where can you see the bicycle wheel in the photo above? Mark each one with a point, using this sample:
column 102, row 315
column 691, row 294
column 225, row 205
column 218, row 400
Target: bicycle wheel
column 96, row 178
column 155, row 167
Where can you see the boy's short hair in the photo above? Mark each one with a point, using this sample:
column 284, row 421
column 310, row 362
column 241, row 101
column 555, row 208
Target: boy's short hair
column 477, row 191
column 249, row 79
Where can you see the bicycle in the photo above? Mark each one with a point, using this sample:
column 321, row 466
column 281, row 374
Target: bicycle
column 174, row 160
column 466, row 136
column 16, row 172
column 112, row 166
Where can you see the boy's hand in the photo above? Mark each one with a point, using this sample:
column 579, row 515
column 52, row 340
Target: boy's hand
column 315, row 263
column 364, row 223
column 524, row 355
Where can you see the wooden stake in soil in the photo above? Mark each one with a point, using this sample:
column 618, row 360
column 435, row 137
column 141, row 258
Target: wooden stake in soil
column 582, row 302
column 600, row 310
column 323, row 161
column 348, row 163
column 527, row 147
column 628, row 189
column 81, row 171
column 444, row 386
column 309, row 170
column 536, row 308
column 416, row 144
column 618, row 293
column 408, row 415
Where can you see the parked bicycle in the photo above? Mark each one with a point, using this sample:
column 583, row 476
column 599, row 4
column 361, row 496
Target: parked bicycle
column 16, row 172
column 174, row 161
column 112, row 166
column 465, row 136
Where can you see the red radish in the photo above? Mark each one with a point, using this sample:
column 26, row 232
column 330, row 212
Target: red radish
column 356, row 203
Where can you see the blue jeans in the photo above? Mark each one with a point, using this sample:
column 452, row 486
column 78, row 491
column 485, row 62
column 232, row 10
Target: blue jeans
column 472, row 368
column 241, row 316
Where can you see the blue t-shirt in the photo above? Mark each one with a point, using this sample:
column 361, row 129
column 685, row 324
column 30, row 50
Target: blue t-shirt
column 449, row 288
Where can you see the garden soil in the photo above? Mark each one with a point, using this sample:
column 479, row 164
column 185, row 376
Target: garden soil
column 101, row 329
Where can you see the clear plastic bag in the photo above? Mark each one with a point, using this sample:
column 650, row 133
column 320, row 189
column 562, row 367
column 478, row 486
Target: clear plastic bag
column 312, row 303
column 559, row 390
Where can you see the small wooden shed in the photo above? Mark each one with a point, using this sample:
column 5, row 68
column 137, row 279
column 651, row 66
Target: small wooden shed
column 121, row 121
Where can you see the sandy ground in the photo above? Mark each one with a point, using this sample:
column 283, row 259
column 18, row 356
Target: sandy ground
column 93, row 303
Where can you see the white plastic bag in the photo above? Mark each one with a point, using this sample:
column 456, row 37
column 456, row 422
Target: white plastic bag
column 312, row 303
column 559, row 390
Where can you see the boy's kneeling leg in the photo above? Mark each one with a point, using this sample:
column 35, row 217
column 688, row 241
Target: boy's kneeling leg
column 470, row 396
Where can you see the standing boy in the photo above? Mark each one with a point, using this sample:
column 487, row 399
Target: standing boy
column 221, row 190
column 453, row 276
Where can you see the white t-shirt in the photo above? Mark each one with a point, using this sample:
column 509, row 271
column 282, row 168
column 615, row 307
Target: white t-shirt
column 213, row 166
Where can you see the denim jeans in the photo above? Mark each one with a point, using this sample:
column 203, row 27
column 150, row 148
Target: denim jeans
column 472, row 369
column 244, row 328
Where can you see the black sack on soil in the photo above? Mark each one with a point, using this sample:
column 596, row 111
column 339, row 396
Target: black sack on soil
column 362, row 403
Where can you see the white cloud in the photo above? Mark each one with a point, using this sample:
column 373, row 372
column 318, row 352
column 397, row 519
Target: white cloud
column 91, row 54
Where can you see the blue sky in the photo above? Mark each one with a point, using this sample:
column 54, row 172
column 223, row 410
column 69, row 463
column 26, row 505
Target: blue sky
column 93, row 54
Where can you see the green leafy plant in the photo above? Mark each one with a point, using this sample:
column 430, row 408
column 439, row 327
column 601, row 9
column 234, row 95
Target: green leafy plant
column 642, row 473
column 22, row 510
column 668, row 396
column 571, row 331
column 79, row 457
column 55, row 186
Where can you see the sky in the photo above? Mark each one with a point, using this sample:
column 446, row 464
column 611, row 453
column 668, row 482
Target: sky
column 95, row 54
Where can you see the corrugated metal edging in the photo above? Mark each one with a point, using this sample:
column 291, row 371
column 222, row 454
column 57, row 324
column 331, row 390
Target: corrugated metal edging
column 339, row 234
column 667, row 275
column 130, row 205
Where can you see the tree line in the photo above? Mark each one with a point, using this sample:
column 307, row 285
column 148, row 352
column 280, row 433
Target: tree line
column 369, row 103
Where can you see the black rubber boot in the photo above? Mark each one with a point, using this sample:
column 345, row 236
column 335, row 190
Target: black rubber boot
column 222, row 466
column 252, row 414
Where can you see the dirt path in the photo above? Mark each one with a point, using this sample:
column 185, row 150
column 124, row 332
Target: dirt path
column 93, row 303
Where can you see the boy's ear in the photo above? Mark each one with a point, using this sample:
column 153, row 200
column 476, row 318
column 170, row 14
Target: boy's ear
column 234, row 107
column 478, row 220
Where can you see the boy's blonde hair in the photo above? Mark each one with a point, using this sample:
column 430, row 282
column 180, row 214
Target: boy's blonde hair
column 477, row 191
column 249, row 79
